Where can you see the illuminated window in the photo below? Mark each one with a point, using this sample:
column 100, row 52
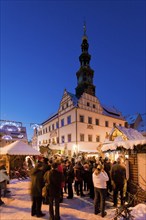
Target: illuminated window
column 53, row 140
column 69, row 137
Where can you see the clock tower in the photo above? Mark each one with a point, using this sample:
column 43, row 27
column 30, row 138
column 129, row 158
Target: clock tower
column 85, row 73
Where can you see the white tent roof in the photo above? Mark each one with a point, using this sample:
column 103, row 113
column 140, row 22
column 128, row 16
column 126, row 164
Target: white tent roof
column 90, row 149
column 18, row 148
column 129, row 144
column 56, row 147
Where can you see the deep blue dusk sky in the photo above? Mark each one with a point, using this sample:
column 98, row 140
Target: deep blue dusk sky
column 40, row 48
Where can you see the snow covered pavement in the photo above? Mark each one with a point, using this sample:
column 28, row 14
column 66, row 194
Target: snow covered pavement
column 18, row 206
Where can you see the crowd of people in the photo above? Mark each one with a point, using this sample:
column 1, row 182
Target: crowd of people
column 95, row 178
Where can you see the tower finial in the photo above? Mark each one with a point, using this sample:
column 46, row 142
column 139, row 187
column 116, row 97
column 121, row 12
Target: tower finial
column 84, row 28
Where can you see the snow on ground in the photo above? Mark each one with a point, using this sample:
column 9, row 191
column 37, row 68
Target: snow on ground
column 18, row 206
column 139, row 212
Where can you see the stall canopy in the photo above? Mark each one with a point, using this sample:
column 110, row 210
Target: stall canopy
column 90, row 149
column 129, row 144
column 123, row 137
column 56, row 147
column 18, row 148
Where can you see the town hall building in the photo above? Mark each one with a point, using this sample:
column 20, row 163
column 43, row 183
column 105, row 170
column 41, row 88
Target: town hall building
column 81, row 122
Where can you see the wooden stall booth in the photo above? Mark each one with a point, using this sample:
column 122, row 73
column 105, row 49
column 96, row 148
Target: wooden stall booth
column 130, row 144
column 14, row 154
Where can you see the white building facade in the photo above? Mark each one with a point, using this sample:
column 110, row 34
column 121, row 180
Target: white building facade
column 81, row 122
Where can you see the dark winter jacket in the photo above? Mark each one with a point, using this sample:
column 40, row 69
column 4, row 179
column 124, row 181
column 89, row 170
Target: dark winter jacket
column 37, row 181
column 118, row 174
column 69, row 174
column 78, row 172
column 55, row 179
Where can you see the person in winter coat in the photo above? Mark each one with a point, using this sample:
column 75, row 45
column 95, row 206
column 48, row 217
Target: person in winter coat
column 55, row 179
column 78, row 174
column 100, row 178
column 118, row 176
column 3, row 179
column 91, row 186
column 86, row 176
column 69, row 178
column 107, row 168
column 37, row 183
column 60, row 169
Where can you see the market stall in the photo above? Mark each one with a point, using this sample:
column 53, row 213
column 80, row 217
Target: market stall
column 14, row 154
column 130, row 144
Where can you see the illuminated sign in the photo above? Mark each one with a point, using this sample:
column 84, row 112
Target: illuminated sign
column 9, row 124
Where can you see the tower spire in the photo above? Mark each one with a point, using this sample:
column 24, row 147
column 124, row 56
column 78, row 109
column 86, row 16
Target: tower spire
column 85, row 73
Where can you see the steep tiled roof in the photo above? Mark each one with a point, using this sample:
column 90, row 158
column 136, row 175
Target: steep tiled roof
column 131, row 118
column 50, row 118
column 74, row 98
column 112, row 111
column 142, row 124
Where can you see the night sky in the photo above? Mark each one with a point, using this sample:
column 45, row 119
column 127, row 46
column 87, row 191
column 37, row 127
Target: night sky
column 40, row 48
